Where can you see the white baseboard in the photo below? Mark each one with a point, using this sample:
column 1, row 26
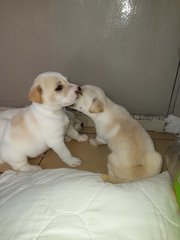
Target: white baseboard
column 149, row 122
column 156, row 125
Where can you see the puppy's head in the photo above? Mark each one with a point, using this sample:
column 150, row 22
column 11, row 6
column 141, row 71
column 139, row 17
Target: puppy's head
column 53, row 90
column 91, row 101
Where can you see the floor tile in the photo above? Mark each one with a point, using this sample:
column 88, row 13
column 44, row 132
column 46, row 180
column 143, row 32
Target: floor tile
column 93, row 158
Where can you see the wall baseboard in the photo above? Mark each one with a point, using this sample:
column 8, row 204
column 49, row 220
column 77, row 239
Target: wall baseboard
column 149, row 122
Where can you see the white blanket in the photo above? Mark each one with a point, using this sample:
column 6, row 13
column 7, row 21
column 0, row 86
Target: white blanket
column 66, row 204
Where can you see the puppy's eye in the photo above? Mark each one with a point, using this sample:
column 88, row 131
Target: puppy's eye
column 59, row 87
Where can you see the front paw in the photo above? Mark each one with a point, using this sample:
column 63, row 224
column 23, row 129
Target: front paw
column 67, row 138
column 35, row 168
column 93, row 142
column 74, row 162
column 30, row 168
column 82, row 138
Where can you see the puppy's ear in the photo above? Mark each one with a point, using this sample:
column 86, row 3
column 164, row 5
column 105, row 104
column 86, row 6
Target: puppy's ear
column 35, row 94
column 97, row 106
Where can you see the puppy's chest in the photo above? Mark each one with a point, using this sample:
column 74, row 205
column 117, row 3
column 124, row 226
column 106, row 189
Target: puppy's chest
column 63, row 123
column 56, row 125
column 106, row 131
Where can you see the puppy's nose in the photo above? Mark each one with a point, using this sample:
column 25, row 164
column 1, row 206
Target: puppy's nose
column 78, row 91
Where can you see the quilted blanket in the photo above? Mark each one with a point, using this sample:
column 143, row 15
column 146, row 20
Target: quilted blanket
column 67, row 204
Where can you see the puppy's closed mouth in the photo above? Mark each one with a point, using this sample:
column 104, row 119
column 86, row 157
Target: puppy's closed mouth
column 78, row 91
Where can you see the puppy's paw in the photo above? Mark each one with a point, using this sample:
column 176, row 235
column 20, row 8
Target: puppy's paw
column 79, row 125
column 104, row 177
column 74, row 162
column 30, row 168
column 82, row 138
column 93, row 142
column 67, row 138
column 35, row 168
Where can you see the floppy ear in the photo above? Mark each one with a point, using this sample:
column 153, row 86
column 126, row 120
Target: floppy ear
column 96, row 106
column 35, row 94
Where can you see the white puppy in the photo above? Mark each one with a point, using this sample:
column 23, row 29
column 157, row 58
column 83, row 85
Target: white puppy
column 30, row 131
column 133, row 155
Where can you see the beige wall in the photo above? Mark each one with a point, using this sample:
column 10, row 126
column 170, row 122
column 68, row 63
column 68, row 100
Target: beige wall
column 129, row 48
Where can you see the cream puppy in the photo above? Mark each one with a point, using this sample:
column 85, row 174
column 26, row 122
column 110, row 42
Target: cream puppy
column 30, row 131
column 133, row 156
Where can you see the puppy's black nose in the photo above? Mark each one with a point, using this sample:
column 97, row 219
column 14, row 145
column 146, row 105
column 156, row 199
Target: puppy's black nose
column 78, row 91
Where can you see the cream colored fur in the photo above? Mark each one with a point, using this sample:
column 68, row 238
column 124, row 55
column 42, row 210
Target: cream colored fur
column 133, row 155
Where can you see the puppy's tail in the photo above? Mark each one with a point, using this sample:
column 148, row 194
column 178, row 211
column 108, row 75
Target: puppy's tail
column 108, row 178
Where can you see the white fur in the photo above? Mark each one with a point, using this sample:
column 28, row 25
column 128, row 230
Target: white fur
column 28, row 132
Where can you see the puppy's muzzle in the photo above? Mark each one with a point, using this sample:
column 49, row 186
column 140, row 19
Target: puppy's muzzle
column 78, row 91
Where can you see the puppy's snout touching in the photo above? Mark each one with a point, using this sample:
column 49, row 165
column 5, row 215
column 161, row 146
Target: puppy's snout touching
column 78, row 91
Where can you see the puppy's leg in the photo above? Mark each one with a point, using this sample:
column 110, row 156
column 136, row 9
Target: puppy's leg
column 63, row 152
column 118, row 171
column 23, row 165
column 71, row 132
column 96, row 141
column 67, row 138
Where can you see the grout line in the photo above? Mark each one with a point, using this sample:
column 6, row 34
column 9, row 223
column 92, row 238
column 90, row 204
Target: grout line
column 162, row 139
column 42, row 158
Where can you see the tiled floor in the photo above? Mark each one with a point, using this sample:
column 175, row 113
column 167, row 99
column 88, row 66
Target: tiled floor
column 94, row 158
